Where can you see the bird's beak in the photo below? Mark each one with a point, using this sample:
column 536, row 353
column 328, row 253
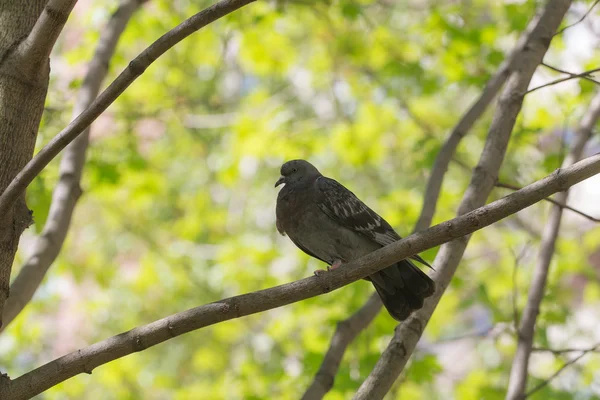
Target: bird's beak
column 280, row 181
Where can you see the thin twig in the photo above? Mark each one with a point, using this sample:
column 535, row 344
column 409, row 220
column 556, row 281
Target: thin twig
column 561, row 369
column 568, row 78
column 135, row 68
column 562, row 71
column 67, row 191
column 143, row 337
column 593, row 349
column 551, row 200
column 580, row 19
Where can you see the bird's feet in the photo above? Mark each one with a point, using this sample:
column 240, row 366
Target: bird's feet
column 336, row 264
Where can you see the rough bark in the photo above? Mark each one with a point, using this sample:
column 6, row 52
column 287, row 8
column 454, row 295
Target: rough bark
column 29, row 30
column 67, row 191
column 136, row 67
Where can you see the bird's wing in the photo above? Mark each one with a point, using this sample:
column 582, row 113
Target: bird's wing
column 341, row 205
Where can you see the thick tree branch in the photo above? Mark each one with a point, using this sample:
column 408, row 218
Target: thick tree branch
column 518, row 374
column 67, row 191
column 432, row 193
column 143, row 337
column 136, row 67
column 408, row 333
column 493, row 86
column 36, row 49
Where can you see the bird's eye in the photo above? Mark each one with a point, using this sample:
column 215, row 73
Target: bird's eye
column 294, row 170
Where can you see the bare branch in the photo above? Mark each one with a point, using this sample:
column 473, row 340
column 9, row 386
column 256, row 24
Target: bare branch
column 562, row 71
column 38, row 45
column 67, row 191
column 446, row 154
column 345, row 334
column 561, row 369
column 516, row 261
column 551, row 200
column 594, row 349
column 143, row 337
column 518, row 373
column 580, row 19
column 408, row 333
column 136, row 67
column 568, row 78
column 493, row 86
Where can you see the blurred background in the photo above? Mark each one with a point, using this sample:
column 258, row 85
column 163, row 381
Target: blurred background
column 178, row 203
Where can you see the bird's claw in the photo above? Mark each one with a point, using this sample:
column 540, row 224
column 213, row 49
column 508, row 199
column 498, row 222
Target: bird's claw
column 336, row 264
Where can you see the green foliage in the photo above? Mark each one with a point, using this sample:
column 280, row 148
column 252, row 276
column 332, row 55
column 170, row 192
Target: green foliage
column 178, row 203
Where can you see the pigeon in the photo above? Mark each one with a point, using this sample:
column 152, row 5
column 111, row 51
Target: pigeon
column 328, row 222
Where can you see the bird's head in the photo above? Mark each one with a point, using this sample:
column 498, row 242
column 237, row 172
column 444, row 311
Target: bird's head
column 294, row 171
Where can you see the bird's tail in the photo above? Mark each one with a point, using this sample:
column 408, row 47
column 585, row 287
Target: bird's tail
column 402, row 287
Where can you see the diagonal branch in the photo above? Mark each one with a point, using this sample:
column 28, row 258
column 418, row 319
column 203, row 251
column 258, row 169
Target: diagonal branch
column 510, row 186
column 463, row 126
column 551, row 200
column 585, row 74
column 143, row 337
column 518, row 373
column 556, row 352
column 135, row 68
column 584, row 16
column 562, row 71
column 408, row 333
column 432, row 193
column 345, row 334
column 36, row 48
column 67, row 191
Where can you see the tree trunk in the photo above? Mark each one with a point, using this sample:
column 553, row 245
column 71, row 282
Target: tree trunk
column 23, row 88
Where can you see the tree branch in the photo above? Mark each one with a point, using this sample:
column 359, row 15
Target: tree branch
column 433, row 188
column 551, row 200
column 594, row 349
column 562, row 71
column 143, row 337
column 465, row 124
column 67, row 191
column 561, row 369
column 568, row 78
column 518, row 373
column 135, row 68
column 345, row 334
column 36, row 48
column 580, row 19
column 408, row 333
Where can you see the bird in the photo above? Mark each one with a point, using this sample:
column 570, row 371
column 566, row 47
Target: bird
column 328, row 222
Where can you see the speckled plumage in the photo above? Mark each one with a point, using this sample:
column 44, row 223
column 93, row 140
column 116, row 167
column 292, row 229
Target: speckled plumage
column 328, row 222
